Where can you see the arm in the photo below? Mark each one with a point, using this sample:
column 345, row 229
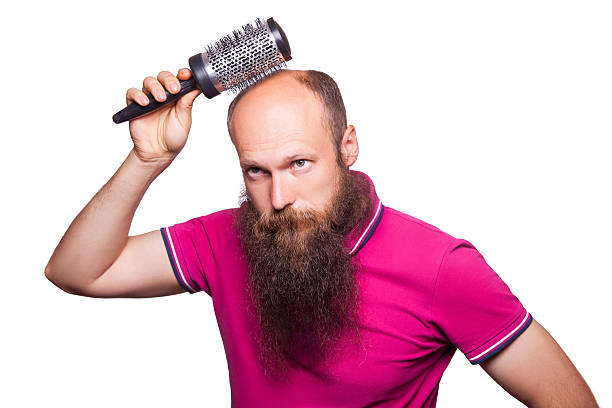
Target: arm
column 535, row 370
column 95, row 257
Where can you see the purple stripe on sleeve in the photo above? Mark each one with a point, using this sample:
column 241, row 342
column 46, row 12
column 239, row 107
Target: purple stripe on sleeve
column 503, row 339
column 179, row 269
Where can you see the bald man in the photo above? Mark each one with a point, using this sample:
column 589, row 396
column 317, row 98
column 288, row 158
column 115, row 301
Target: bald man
column 324, row 296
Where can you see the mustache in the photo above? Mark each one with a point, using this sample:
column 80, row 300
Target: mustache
column 289, row 219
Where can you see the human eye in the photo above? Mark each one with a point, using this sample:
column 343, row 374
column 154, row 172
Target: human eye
column 301, row 163
column 254, row 171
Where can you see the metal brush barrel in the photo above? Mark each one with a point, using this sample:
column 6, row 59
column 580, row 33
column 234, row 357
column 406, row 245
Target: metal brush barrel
column 234, row 62
column 239, row 60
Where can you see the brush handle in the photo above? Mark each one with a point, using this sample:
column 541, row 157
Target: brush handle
column 134, row 110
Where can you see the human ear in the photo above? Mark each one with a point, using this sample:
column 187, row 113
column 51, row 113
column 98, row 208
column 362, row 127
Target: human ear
column 349, row 148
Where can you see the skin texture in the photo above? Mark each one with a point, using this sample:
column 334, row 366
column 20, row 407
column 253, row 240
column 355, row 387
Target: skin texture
column 287, row 160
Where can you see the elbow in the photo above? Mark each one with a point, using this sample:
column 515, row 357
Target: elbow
column 48, row 274
column 58, row 283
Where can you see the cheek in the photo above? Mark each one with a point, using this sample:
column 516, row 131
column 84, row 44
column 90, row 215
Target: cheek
column 259, row 196
column 321, row 187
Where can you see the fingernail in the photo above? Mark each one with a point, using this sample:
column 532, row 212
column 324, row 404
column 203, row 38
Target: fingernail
column 144, row 100
column 174, row 87
column 161, row 95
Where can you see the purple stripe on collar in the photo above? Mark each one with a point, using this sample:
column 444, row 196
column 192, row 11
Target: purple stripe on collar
column 357, row 239
column 371, row 225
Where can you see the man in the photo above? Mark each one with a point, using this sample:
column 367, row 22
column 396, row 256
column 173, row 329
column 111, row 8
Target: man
column 324, row 296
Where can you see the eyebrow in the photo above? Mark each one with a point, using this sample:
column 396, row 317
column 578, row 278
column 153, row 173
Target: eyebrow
column 289, row 158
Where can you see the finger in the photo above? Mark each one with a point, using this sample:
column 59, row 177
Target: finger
column 169, row 81
column 184, row 73
column 153, row 86
column 136, row 95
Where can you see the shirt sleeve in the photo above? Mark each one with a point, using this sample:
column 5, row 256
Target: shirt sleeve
column 473, row 307
column 190, row 253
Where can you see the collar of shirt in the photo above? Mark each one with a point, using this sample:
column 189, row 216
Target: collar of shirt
column 360, row 235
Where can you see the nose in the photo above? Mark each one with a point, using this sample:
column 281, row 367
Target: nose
column 282, row 194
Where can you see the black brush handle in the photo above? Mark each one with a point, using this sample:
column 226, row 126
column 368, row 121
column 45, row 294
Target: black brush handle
column 134, row 110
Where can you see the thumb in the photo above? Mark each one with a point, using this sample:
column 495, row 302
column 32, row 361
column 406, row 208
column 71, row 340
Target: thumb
column 184, row 105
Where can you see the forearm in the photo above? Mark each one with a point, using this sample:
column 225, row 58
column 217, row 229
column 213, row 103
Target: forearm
column 98, row 234
column 573, row 392
column 536, row 371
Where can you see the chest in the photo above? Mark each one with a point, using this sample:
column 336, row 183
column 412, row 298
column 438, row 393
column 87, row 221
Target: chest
column 395, row 345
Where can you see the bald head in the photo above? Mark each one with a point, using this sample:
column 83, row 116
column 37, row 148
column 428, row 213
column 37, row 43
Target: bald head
column 311, row 90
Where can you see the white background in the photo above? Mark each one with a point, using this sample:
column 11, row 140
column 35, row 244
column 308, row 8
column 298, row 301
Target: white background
column 490, row 120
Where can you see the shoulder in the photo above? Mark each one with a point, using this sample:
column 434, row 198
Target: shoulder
column 408, row 221
column 401, row 229
column 406, row 246
column 218, row 219
column 221, row 217
column 215, row 226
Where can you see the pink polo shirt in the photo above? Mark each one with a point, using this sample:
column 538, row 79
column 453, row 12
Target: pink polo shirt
column 424, row 294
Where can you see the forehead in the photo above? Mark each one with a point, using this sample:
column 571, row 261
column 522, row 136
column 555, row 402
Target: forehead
column 280, row 110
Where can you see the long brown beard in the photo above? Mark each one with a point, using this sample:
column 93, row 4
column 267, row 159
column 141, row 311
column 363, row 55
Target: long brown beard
column 302, row 279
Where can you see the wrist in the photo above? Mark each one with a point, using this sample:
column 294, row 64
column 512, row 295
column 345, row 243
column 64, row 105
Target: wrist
column 152, row 166
column 160, row 161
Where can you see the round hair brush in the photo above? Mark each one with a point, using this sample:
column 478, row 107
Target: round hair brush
column 234, row 62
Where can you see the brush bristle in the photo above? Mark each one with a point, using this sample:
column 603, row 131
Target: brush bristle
column 245, row 56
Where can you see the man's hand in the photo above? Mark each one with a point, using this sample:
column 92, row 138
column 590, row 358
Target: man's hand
column 535, row 370
column 160, row 135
